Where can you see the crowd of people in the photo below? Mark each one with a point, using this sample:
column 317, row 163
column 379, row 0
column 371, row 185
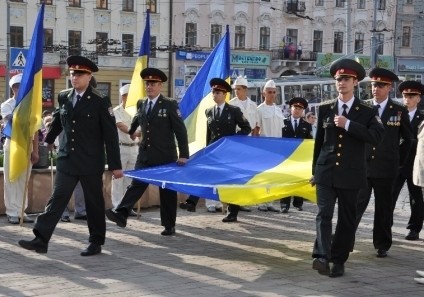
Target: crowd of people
column 360, row 147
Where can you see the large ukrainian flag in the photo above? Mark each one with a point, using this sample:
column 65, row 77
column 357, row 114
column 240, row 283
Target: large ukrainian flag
column 198, row 96
column 240, row 170
column 26, row 119
column 137, row 90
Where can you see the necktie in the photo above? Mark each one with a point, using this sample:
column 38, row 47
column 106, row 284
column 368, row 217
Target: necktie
column 149, row 109
column 377, row 109
column 344, row 113
column 78, row 100
column 295, row 125
column 218, row 112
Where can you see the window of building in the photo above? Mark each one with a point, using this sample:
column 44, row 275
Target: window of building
column 74, row 43
column 406, row 36
column 319, row 2
column 381, row 5
column 317, row 46
column 359, row 43
column 103, row 88
column 128, row 5
column 153, row 46
column 48, row 40
column 340, row 3
column 16, row 0
column 291, row 36
column 380, row 43
column 152, row 5
column 74, row 3
column 101, row 4
column 361, row 4
column 409, row 2
column 16, row 36
column 216, row 31
column 101, row 43
column 338, row 42
column 416, row 77
column 240, row 37
column 264, row 38
column 127, row 45
column 191, row 34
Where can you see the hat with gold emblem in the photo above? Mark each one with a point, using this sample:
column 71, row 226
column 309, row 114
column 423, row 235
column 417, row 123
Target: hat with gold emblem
column 81, row 64
column 347, row 67
column 411, row 87
column 153, row 74
column 220, row 84
column 298, row 102
column 382, row 75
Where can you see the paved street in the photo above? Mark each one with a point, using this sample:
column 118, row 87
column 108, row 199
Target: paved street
column 264, row 254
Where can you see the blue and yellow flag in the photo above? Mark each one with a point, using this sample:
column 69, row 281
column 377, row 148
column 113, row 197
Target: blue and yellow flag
column 198, row 96
column 137, row 90
column 268, row 169
column 26, row 118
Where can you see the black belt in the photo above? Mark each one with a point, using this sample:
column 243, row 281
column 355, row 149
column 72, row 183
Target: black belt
column 127, row 144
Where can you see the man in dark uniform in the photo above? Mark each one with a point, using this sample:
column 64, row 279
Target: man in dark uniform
column 223, row 120
column 344, row 126
column 295, row 127
column 411, row 91
column 160, row 121
column 383, row 159
column 88, row 125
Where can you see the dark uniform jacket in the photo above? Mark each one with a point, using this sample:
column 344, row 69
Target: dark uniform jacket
column 407, row 159
column 383, row 159
column 303, row 131
column 159, row 131
column 88, row 129
column 231, row 117
column 339, row 155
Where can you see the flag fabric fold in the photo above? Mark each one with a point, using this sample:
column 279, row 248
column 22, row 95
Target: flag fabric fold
column 137, row 90
column 240, row 170
column 198, row 95
column 26, row 118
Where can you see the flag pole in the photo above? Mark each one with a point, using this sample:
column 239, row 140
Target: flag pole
column 21, row 219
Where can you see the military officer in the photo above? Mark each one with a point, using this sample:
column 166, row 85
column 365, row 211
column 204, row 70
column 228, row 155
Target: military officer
column 295, row 127
column 86, row 119
column 411, row 92
column 344, row 126
column 160, row 121
column 223, row 119
column 383, row 159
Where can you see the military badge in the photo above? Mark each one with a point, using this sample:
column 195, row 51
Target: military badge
column 179, row 113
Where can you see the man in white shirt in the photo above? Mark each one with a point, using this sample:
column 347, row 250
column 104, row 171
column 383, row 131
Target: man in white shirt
column 270, row 123
column 127, row 147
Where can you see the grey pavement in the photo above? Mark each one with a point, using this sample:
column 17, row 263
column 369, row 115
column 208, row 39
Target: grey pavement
column 264, row 254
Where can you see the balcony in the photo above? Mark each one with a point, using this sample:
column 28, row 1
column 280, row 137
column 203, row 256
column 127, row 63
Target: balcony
column 291, row 57
column 294, row 7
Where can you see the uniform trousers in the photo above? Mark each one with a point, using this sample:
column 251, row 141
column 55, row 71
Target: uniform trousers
column 336, row 250
column 383, row 213
column 92, row 186
column 415, row 201
column 13, row 191
column 297, row 202
column 168, row 201
column 79, row 202
column 119, row 185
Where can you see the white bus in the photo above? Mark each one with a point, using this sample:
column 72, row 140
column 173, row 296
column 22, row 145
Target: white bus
column 314, row 89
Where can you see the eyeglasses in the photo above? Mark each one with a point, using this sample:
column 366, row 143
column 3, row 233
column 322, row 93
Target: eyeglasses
column 379, row 85
column 343, row 78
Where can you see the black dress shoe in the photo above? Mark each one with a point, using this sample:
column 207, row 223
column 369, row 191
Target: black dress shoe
column 188, row 206
column 321, row 265
column 65, row 219
column 37, row 244
column 412, row 235
column 284, row 210
column 91, row 250
column 381, row 253
column 337, row 270
column 168, row 231
column 229, row 219
column 116, row 217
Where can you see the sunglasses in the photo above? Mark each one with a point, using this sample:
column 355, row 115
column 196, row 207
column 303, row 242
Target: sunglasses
column 379, row 85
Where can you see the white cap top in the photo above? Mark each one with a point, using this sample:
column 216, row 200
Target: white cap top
column 16, row 79
column 240, row 81
column 270, row 85
column 124, row 89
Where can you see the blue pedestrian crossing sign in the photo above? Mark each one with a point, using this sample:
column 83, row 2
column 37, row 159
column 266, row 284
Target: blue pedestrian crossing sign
column 18, row 58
